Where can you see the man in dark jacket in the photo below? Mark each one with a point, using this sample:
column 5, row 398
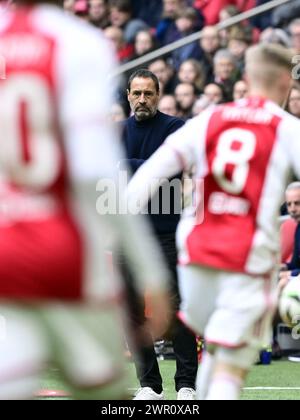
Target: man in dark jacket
column 143, row 134
column 292, row 269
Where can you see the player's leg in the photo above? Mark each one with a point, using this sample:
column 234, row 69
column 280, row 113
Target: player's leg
column 198, row 290
column 89, row 347
column 230, row 370
column 205, row 373
column 23, row 353
column 239, row 327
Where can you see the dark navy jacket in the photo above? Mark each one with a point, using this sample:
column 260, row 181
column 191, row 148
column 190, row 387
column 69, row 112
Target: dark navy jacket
column 141, row 139
column 294, row 265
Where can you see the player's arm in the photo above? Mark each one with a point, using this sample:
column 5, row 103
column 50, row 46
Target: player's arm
column 179, row 153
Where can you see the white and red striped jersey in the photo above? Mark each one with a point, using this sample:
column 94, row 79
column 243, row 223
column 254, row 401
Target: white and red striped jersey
column 244, row 152
column 55, row 145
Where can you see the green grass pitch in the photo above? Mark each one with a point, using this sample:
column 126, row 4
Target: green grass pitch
column 278, row 381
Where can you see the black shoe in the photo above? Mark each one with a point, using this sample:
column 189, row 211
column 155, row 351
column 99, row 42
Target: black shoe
column 276, row 351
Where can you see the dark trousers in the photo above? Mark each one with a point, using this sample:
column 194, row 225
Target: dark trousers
column 184, row 342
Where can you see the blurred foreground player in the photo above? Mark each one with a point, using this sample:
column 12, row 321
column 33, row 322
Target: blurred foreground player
column 58, row 300
column 244, row 152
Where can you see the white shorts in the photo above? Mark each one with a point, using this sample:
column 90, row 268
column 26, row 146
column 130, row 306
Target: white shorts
column 86, row 343
column 229, row 310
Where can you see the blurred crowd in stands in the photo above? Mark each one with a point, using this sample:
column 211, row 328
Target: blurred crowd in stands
column 209, row 71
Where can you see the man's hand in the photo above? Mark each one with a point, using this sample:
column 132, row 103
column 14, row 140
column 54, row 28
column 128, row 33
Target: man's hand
column 284, row 278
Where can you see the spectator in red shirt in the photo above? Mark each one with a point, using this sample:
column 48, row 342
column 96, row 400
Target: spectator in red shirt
column 211, row 8
column 81, row 9
column 115, row 35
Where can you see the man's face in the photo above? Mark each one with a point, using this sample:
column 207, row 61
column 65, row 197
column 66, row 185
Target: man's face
column 237, row 48
column 295, row 34
column 143, row 42
column 293, row 204
column 143, row 98
column 184, row 24
column 210, row 40
column 240, row 90
column 171, row 7
column 115, row 36
column 213, row 93
column 185, row 96
column 294, row 102
column 161, row 71
column 224, row 69
column 98, row 9
column 167, row 105
column 118, row 18
column 187, row 73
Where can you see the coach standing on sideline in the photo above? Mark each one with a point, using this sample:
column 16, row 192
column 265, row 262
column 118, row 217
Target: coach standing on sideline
column 143, row 134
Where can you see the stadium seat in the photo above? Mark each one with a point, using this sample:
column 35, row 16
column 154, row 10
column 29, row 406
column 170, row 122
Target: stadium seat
column 287, row 234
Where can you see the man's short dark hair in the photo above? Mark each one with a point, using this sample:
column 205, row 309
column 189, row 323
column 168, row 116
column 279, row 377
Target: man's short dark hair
column 143, row 74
